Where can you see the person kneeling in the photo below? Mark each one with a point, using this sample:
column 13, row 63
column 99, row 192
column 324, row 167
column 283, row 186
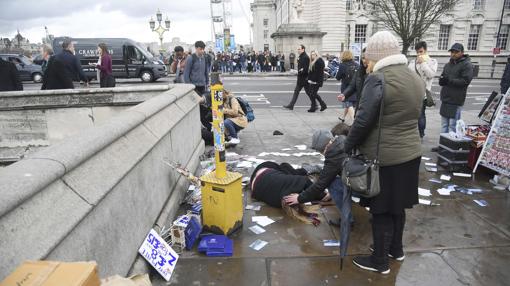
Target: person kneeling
column 235, row 119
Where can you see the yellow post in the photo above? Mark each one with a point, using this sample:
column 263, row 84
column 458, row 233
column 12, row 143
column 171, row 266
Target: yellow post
column 222, row 203
column 218, row 125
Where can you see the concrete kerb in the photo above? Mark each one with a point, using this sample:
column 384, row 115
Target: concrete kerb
column 72, row 151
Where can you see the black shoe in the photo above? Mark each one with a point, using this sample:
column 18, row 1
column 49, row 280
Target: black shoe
column 323, row 107
column 397, row 255
column 365, row 262
column 435, row 149
column 312, row 109
column 288, row 107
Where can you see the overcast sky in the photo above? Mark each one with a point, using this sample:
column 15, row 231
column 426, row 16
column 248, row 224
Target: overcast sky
column 118, row 18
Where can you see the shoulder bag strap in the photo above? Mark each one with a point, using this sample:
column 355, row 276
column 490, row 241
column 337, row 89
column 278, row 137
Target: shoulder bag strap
column 381, row 109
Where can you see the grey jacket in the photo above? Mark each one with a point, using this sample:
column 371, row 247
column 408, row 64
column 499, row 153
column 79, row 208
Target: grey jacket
column 457, row 76
column 197, row 73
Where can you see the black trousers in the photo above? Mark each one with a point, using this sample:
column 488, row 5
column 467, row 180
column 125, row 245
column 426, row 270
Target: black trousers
column 313, row 93
column 299, row 86
column 387, row 231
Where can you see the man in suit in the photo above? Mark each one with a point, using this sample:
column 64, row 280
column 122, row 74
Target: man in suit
column 302, row 78
column 9, row 78
column 56, row 75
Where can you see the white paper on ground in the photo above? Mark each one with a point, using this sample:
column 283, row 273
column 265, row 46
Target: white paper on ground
column 425, row 158
column 424, row 202
column 445, row 178
column 296, row 166
column 331, row 242
column 257, row 229
column 482, row 203
column 424, row 192
column 462, row 175
column 262, row 154
column 444, row 191
column 252, row 207
column 431, row 169
column 262, row 220
column 258, row 244
column 287, row 149
column 301, row 147
column 355, row 199
column 433, row 180
column 244, row 164
column 431, row 164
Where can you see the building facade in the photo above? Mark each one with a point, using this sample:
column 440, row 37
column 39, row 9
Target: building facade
column 264, row 24
column 474, row 23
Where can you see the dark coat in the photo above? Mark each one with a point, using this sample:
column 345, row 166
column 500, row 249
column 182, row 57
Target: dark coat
column 9, row 77
column 353, row 92
column 400, row 140
column 72, row 65
column 317, row 72
column 280, row 181
column 455, row 79
column 505, row 80
column 303, row 65
column 335, row 156
column 343, row 74
column 56, row 75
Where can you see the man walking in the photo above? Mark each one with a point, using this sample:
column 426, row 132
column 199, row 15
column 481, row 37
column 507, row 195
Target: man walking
column 426, row 68
column 454, row 81
column 196, row 70
column 302, row 78
column 71, row 62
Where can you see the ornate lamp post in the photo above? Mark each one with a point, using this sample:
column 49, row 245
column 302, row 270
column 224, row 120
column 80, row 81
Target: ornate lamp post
column 160, row 29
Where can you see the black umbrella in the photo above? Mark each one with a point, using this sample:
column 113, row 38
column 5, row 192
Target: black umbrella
column 345, row 224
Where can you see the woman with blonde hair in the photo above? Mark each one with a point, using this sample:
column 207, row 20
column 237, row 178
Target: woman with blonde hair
column 315, row 80
column 395, row 92
column 346, row 72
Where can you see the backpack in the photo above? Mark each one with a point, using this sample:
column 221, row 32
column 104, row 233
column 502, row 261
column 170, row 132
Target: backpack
column 245, row 106
column 352, row 68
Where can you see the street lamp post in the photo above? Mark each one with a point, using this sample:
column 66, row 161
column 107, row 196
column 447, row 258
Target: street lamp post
column 160, row 30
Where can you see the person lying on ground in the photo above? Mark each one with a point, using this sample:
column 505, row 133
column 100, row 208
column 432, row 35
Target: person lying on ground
column 270, row 182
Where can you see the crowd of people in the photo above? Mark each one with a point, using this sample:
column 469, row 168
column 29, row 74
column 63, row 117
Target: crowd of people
column 239, row 62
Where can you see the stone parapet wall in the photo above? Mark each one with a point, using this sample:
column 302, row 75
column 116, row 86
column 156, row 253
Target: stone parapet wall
column 96, row 194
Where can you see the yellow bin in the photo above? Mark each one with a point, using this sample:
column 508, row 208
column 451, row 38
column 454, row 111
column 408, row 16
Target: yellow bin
column 222, row 203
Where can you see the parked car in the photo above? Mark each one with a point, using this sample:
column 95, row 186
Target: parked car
column 129, row 59
column 26, row 69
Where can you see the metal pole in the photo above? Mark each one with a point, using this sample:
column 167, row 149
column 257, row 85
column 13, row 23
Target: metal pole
column 218, row 125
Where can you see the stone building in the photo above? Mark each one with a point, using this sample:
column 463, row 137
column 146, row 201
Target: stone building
column 264, row 24
column 348, row 24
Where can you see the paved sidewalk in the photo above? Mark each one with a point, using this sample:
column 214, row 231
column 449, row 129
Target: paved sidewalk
column 454, row 243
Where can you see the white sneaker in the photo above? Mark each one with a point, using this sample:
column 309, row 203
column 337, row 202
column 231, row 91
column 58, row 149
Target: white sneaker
column 234, row 141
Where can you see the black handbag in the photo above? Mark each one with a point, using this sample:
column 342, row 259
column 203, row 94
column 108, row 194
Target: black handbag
column 360, row 174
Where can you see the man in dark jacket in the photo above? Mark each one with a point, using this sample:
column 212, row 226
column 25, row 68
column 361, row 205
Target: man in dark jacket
column 9, row 78
column 302, row 78
column 71, row 63
column 505, row 80
column 455, row 79
column 56, row 75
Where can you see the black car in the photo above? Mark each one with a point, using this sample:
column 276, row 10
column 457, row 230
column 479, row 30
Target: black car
column 129, row 59
column 26, row 69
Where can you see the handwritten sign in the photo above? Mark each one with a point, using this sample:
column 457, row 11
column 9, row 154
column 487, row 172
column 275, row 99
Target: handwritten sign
column 159, row 254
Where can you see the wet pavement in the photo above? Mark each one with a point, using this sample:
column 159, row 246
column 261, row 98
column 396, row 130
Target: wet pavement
column 456, row 242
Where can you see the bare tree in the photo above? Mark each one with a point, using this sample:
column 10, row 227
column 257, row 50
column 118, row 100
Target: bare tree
column 410, row 19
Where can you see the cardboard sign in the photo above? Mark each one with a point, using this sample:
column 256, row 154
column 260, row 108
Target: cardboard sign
column 159, row 254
